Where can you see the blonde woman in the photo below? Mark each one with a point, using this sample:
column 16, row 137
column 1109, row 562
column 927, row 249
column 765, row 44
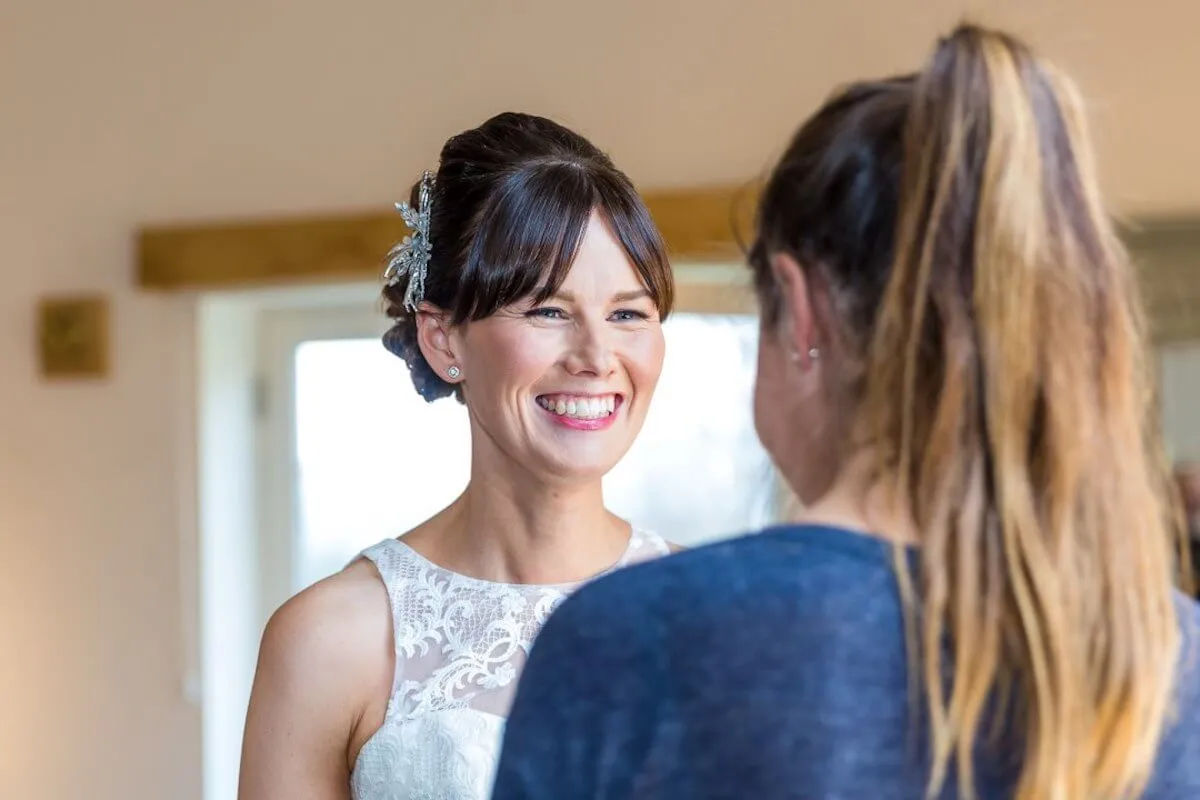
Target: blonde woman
column 953, row 379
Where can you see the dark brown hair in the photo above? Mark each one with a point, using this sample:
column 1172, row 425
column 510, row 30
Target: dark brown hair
column 987, row 333
column 510, row 204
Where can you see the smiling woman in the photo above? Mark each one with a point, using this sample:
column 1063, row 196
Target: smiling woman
column 533, row 288
column 537, row 372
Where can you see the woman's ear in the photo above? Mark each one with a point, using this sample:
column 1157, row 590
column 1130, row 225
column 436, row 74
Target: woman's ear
column 799, row 321
column 434, row 336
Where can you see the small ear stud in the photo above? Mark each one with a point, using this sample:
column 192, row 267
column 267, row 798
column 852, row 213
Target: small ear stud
column 454, row 373
column 813, row 355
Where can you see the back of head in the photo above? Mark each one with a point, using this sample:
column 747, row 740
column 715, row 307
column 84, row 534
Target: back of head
column 989, row 339
column 510, row 202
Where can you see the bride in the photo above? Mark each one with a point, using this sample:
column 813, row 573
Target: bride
column 532, row 289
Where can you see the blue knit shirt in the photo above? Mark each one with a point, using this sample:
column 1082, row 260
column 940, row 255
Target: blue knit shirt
column 772, row 666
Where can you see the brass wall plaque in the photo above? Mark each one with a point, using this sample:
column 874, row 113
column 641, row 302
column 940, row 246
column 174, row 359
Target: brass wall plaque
column 73, row 337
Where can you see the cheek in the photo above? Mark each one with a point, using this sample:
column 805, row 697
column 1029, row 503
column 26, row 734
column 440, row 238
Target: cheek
column 508, row 357
column 644, row 354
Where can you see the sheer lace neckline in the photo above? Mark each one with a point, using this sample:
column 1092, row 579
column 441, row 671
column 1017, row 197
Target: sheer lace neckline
column 460, row 577
column 460, row 645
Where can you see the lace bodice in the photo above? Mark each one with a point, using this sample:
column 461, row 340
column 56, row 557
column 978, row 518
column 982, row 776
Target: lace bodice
column 461, row 643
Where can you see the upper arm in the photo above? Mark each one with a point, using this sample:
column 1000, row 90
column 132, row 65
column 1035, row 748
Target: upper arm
column 585, row 706
column 319, row 661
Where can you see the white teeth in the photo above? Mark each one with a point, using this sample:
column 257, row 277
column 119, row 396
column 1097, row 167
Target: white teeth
column 579, row 407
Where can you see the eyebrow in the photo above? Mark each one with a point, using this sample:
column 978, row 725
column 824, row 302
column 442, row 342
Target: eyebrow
column 619, row 297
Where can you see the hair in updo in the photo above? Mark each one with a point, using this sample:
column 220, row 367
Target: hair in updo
column 511, row 201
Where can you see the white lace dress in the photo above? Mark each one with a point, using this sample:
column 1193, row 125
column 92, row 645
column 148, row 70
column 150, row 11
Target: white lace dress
column 461, row 643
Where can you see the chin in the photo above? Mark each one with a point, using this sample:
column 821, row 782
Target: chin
column 576, row 467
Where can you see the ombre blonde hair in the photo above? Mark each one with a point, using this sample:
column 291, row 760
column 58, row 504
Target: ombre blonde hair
column 997, row 365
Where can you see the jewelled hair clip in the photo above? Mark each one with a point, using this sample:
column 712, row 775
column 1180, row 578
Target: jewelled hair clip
column 411, row 257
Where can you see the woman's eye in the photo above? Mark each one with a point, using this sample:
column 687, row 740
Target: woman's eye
column 628, row 315
column 547, row 313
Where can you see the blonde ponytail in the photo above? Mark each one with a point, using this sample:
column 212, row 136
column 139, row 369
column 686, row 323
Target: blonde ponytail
column 1007, row 392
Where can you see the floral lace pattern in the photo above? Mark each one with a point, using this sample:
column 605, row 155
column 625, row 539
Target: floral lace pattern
column 460, row 643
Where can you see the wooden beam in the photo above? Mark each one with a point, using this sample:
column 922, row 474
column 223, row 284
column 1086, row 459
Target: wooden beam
column 703, row 225
column 265, row 253
column 698, row 225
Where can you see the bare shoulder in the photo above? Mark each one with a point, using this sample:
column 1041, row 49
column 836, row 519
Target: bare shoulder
column 324, row 667
column 335, row 626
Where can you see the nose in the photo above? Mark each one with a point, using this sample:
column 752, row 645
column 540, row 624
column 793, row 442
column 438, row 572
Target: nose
column 591, row 352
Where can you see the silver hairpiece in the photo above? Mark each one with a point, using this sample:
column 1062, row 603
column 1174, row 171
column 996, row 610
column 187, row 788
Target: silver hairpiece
column 411, row 256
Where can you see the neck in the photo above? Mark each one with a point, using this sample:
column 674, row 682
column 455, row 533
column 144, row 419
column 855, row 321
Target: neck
column 510, row 527
column 855, row 500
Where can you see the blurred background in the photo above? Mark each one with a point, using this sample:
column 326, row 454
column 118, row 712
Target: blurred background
column 190, row 432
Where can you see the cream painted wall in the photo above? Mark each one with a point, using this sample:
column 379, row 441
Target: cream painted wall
column 131, row 111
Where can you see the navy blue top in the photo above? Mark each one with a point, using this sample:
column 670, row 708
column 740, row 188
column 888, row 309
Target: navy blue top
column 772, row 666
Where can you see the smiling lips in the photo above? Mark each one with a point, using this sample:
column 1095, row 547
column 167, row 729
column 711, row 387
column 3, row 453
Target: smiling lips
column 581, row 412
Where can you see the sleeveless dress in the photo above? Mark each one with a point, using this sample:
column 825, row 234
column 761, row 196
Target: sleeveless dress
column 461, row 644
